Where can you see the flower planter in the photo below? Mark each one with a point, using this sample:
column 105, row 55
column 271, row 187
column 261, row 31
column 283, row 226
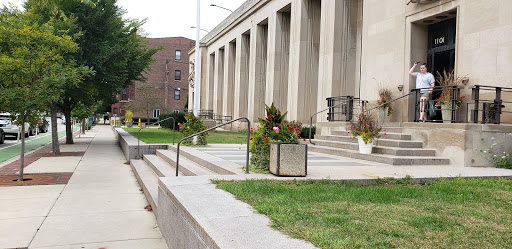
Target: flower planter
column 383, row 114
column 446, row 112
column 364, row 148
column 129, row 124
column 288, row 159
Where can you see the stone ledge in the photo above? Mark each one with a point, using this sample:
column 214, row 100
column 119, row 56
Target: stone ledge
column 186, row 222
column 128, row 144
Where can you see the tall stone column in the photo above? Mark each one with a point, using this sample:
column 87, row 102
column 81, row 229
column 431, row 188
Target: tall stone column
column 241, row 88
column 257, row 71
column 218, row 82
column 304, row 55
column 210, row 81
column 271, row 59
column 203, row 68
column 229, row 78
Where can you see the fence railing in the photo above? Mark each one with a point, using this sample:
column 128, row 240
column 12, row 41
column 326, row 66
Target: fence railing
column 435, row 105
column 341, row 108
column 213, row 128
column 488, row 110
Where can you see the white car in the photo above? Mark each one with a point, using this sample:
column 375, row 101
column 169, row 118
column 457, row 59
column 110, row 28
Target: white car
column 10, row 128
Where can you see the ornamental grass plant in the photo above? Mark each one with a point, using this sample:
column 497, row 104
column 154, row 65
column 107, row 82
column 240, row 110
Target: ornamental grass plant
column 366, row 127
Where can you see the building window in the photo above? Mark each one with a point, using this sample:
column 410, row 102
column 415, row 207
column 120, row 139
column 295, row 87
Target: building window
column 177, row 75
column 115, row 111
column 178, row 55
column 176, row 111
column 176, row 94
column 156, row 113
column 124, row 95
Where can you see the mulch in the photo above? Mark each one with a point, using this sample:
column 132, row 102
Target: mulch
column 8, row 172
column 36, row 179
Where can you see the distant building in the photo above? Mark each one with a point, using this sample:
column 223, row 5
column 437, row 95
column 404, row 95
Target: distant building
column 166, row 87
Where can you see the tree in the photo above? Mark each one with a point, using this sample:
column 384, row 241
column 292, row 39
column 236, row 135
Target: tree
column 82, row 112
column 109, row 45
column 146, row 99
column 32, row 68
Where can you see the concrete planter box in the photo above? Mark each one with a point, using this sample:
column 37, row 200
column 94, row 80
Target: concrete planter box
column 288, row 159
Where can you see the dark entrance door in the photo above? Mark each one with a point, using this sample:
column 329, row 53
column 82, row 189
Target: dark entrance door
column 441, row 53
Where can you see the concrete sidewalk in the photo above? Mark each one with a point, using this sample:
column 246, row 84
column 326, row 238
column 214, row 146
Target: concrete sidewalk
column 100, row 207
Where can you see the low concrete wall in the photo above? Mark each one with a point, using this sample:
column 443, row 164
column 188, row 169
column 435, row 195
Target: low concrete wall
column 463, row 144
column 224, row 222
column 128, row 144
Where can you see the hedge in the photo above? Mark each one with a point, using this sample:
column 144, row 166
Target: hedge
column 179, row 117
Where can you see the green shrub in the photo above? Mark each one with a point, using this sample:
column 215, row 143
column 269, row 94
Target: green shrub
column 143, row 120
column 304, row 133
column 272, row 129
column 193, row 125
column 503, row 161
column 179, row 118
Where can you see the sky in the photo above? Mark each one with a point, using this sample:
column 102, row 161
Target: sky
column 170, row 18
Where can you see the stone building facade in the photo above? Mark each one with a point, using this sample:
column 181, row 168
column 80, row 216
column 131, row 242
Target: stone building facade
column 166, row 87
column 297, row 53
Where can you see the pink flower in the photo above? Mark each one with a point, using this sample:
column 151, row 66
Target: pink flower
column 384, row 133
column 276, row 129
column 179, row 123
column 188, row 127
column 304, row 139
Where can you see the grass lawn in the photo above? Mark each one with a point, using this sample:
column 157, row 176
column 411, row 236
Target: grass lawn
column 460, row 213
column 162, row 135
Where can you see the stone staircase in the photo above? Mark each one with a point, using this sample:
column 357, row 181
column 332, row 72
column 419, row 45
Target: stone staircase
column 162, row 164
column 395, row 148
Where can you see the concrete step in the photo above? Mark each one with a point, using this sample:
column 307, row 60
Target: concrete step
column 148, row 181
column 187, row 167
column 380, row 142
column 159, row 166
column 380, row 158
column 378, row 149
column 211, row 162
column 389, row 135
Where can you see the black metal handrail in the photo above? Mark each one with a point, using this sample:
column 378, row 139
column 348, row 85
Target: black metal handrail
column 455, row 95
column 346, row 100
column 173, row 133
column 213, row 128
column 389, row 102
column 495, row 106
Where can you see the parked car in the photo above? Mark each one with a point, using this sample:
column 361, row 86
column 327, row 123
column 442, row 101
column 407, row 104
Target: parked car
column 43, row 125
column 2, row 136
column 10, row 128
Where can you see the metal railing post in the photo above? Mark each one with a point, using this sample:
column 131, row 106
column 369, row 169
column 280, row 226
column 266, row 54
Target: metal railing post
column 497, row 104
column 476, row 97
column 350, row 108
column 138, row 134
column 415, row 104
column 213, row 128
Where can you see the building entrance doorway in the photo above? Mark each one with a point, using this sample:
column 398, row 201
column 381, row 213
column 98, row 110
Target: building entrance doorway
column 441, row 53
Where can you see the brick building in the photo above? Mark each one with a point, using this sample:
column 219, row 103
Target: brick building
column 166, row 87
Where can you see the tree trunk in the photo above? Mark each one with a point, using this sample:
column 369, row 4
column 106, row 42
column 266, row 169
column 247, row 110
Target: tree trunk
column 83, row 126
column 69, row 129
column 55, row 132
column 22, row 154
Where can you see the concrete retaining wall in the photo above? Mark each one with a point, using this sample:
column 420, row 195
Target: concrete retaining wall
column 128, row 144
column 193, row 213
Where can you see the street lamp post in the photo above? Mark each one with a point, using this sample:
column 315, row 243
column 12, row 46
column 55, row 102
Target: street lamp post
column 214, row 5
column 193, row 27
column 197, row 84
